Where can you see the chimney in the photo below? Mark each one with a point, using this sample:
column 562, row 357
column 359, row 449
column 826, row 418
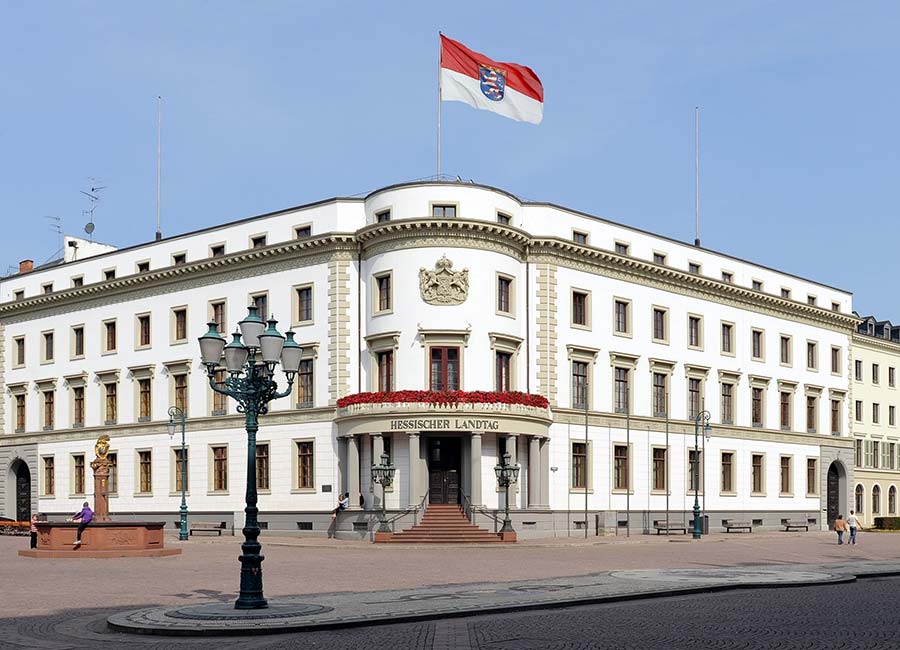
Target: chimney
column 26, row 266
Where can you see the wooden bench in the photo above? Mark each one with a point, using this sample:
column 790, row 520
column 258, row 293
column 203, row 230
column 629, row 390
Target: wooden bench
column 660, row 526
column 207, row 527
column 733, row 524
column 795, row 523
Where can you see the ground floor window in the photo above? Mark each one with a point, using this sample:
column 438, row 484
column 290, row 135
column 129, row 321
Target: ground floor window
column 305, row 464
column 579, row 465
column 860, row 494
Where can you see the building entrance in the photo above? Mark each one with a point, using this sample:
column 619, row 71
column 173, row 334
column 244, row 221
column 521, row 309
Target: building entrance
column 23, row 492
column 444, row 455
column 833, row 494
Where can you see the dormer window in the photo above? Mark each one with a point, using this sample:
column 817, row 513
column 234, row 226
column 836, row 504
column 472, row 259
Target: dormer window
column 258, row 242
column 383, row 216
column 302, row 232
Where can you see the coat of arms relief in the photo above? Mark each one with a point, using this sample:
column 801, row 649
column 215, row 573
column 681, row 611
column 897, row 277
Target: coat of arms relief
column 443, row 285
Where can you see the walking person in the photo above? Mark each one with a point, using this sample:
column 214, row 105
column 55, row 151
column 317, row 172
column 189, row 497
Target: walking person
column 83, row 518
column 853, row 523
column 840, row 526
column 33, row 529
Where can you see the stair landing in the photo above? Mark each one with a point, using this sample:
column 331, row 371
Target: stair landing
column 443, row 524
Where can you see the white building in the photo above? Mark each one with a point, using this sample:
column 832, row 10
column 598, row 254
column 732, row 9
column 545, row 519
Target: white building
column 441, row 285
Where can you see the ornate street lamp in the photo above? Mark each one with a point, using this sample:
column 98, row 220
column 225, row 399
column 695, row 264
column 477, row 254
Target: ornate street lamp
column 383, row 474
column 250, row 360
column 506, row 475
column 702, row 417
column 175, row 412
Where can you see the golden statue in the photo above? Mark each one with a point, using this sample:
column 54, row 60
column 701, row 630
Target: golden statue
column 102, row 447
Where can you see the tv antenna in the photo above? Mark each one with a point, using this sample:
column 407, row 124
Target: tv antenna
column 56, row 227
column 94, row 197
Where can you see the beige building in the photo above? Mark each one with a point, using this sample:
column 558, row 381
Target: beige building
column 875, row 358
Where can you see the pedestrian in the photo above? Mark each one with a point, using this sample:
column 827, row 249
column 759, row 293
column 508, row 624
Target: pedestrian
column 84, row 517
column 853, row 523
column 33, row 529
column 343, row 504
column 839, row 527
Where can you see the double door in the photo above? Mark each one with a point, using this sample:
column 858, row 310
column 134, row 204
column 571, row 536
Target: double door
column 444, row 455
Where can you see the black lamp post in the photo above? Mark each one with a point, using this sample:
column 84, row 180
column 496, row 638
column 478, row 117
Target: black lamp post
column 250, row 360
column 383, row 474
column 702, row 416
column 506, row 475
column 175, row 412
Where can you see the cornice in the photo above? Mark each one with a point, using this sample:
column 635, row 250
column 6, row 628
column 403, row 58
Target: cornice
column 583, row 257
column 383, row 237
column 875, row 343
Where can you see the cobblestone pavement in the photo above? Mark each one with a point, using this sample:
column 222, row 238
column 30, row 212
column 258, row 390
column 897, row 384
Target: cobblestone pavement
column 858, row 616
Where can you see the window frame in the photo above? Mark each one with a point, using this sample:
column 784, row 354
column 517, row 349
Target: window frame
column 376, row 292
column 732, row 491
column 297, row 319
column 510, row 311
column 732, row 334
column 629, row 330
column 664, row 312
column 138, row 331
column 295, row 460
column 105, row 336
column 587, row 309
column 433, row 206
column 699, row 319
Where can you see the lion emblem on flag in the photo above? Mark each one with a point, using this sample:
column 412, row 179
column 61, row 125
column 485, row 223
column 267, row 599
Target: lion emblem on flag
column 493, row 82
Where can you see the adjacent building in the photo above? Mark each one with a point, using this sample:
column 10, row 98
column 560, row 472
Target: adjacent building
column 630, row 336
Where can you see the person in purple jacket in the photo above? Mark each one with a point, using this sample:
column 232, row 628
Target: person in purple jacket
column 83, row 518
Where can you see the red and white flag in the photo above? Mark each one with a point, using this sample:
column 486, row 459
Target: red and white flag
column 510, row 89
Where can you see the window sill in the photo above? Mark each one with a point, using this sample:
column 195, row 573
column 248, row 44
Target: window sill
column 302, row 323
column 137, row 348
column 757, row 494
column 143, row 418
column 624, row 335
column 659, row 492
column 577, row 326
column 48, row 427
column 261, row 491
column 303, row 490
column 575, row 490
column 304, row 405
column 384, row 312
column 46, row 496
column 219, row 412
column 177, row 493
column 46, row 362
column 78, row 425
column 695, row 348
column 505, row 314
column 726, row 354
column 78, row 357
column 178, row 342
column 810, row 495
column 758, row 359
column 109, row 423
column 623, row 491
column 690, row 493
column 217, row 493
column 106, row 353
column 727, row 494
column 19, row 430
column 660, row 341
column 785, row 495
column 143, row 495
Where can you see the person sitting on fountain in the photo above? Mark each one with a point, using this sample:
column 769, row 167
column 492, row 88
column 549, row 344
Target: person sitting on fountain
column 83, row 518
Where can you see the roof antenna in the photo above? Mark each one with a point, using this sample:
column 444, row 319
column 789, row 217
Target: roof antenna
column 94, row 197
column 697, row 176
column 57, row 228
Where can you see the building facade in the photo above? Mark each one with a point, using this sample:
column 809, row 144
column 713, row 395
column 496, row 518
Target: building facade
column 442, row 286
column 875, row 350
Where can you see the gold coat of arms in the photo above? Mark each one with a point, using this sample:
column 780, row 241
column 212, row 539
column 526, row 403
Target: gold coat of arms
column 443, row 285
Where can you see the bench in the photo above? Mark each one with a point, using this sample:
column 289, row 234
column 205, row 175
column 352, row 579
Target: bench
column 207, row 527
column 660, row 526
column 795, row 523
column 733, row 524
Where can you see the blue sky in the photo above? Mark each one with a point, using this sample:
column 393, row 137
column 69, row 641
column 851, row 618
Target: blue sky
column 273, row 104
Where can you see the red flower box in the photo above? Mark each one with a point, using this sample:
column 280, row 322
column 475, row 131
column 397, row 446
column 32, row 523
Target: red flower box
column 445, row 397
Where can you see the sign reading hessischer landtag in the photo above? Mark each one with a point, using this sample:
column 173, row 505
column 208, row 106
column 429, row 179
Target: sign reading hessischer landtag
column 445, row 424
column 537, row 423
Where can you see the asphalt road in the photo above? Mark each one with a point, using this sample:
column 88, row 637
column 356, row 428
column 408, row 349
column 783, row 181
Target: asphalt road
column 860, row 615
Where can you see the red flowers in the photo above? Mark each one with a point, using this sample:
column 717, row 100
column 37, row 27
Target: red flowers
column 446, row 397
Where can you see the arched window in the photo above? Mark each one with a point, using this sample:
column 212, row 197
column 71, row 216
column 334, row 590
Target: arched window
column 859, row 499
column 892, row 500
column 876, row 500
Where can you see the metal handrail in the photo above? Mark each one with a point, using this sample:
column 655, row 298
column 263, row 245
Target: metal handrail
column 412, row 509
column 469, row 510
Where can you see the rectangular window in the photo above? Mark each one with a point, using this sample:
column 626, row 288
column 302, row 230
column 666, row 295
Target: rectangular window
column 112, row 403
column 144, row 400
column 145, row 472
column 305, row 384
column 885, row 456
column 49, row 476
column 78, row 281
column 109, row 274
column 660, row 326
column 47, row 288
column 217, row 314
column 142, row 267
column 858, row 410
column 858, row 456
column 304, row 304
column 261, row 301
column 812, row 407
column 579, row 384
column 693, row 267
column 892, row 455
column 505, row 219
column 694, row 340
column 78, row 406
column 78, row 341
column 302, row 232
column 727, row 277
column 727, row 403
column 785, row 293
column 383, row 216
column 48, row 346
column 892, row 377
column 19, row 295
column 876, row 413
column 622, row 248
column 836, row 416
column 785, row 475
column 579, row 308
column 622, row 318
column 892, row 415
column 503, row 295
column 786, row 350
column 757, row 344
column 110, row 340
column 659, row 258
column 49, row 409
column 694, row 399
column 383, row 284
column 262, row 466
column 727, row 471
column 443, row 211
column 181, row 392
column 757, row 474
column 756, row 396
column 660, row 407
column 179, row 259
column 875, row 373
column 220, row 468
column 180, row 324
column 872, row 454
column 812, row 355
column 580, row 237
column 622, row 390
column 695, row 470
column 858, row 370
column 811, row 300
column 444, row 368
column 757, row 285
column 144, row 330
column 305, row 465
column 220, row 401
column 785, row 410
column 579, row 465
column 20, row 350
column 503, row 365
column 660, row 478
column 621, row 479
column 78, row 473
column 258, row 242
column 217, row 251
column 113, row 483
column 727, row 339
column 182, row 468
column 20, row 413
column 386, row 371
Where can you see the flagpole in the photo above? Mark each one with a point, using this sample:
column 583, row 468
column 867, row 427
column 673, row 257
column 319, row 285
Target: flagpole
column 158, row 162
column 696, row 176
column 440, row 45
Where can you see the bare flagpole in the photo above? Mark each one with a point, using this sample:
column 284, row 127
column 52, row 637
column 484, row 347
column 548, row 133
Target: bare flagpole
column 696, row 176
column 158, row 162
column 440, row 45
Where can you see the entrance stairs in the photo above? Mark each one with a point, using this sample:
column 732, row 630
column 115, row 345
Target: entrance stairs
column 445, row 524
